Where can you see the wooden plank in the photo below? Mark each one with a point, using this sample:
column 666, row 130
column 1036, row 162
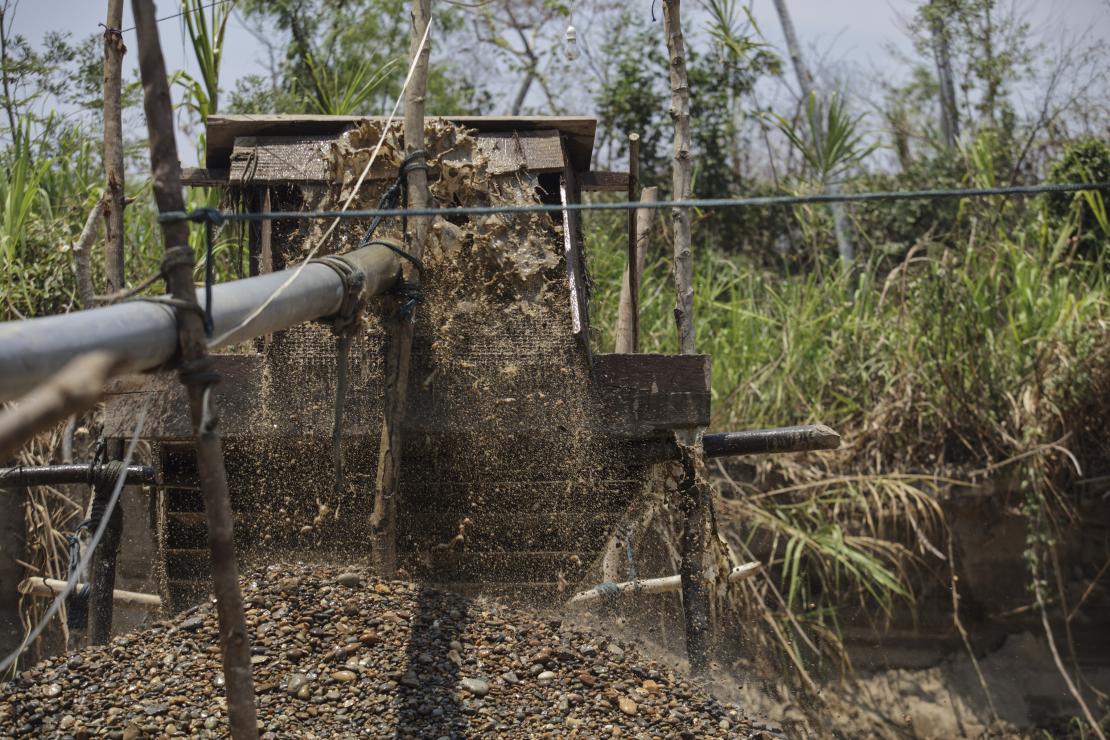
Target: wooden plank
column 202, row 177
column 511, row 151
column 578, row 131
column 640, row 396
column 572, row 252
column 616, row 182
column 269, row 160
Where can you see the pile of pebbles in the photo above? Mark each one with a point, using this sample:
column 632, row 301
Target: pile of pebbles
column 338, row 653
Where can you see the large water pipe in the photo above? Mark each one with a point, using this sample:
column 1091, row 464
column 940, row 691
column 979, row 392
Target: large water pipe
column 144, row 333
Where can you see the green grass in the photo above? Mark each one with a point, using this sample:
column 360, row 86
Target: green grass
column 966, row 355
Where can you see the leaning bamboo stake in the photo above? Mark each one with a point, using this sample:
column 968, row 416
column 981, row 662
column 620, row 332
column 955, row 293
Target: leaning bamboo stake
column 48, row 588
column 693, row 490
column 197, row 376
column 113, row 148
column 384, row 520
column 72, row 390
column 633, row 275
column 82, row 250
column 628, row 313
column 663, row 585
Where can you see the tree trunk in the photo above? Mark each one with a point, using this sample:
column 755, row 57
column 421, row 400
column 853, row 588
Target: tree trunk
column 113, row 149
column 196, row 375
column 949, row 118
column 695, row 600
column 805, row 82
column 384, row 522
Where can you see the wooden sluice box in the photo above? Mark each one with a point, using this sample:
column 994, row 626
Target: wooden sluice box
column 522, row 447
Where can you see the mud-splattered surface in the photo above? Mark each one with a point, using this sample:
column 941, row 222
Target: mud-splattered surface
column 504, row 480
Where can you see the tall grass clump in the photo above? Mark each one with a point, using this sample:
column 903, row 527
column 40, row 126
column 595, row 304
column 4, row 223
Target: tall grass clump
column 956, row 362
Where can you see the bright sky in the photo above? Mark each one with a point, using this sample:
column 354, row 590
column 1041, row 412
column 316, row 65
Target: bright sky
column 849, row 36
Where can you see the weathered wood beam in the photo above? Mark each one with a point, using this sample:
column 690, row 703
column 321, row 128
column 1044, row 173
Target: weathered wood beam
column 616, row 182
column 196, row 375
column 202, row 177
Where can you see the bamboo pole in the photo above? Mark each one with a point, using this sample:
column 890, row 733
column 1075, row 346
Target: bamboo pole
column 631, row 271
column 48, row 588
column 113, row 148
column 645, row 218
column 74, row 389
column 398, row 361
column 196, row 375
column 663, row 585
column 694, row 492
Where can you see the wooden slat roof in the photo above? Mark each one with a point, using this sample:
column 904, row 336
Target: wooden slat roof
column 223, row 130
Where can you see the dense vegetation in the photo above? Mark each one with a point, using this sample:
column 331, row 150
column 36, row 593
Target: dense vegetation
column 968, row 338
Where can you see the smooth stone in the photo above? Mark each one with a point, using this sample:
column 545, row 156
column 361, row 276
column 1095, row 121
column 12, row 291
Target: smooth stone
column 304, row 692
column 210, row 723
column 546, row 677
column 350, row 580
column 475, row 686
column 510, row 677
column 627, row 705
column 344, row 676
column 296, row 681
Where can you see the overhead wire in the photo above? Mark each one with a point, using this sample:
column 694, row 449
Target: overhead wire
column 708, row 203
column 212, row 4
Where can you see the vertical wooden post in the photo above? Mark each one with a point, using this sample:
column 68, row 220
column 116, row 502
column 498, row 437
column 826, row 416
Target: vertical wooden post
column 113, row 148
column 633, row 274
column 197, row 376
column 645, row 217
column 694, row 492
column 384, row 519
column 103, row 569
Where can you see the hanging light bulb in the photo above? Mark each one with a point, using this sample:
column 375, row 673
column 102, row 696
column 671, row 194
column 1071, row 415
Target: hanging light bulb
column 572, row 43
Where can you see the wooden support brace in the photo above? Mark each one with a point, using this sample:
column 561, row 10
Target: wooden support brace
column 663, row 585
column 48, row 588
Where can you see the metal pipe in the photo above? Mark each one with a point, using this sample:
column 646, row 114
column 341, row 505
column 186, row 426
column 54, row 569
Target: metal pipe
column 51, row 475
column 770, row 441
column 804, row 438
column 144, row 333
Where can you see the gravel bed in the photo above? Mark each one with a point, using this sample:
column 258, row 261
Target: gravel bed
column 338, row 653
